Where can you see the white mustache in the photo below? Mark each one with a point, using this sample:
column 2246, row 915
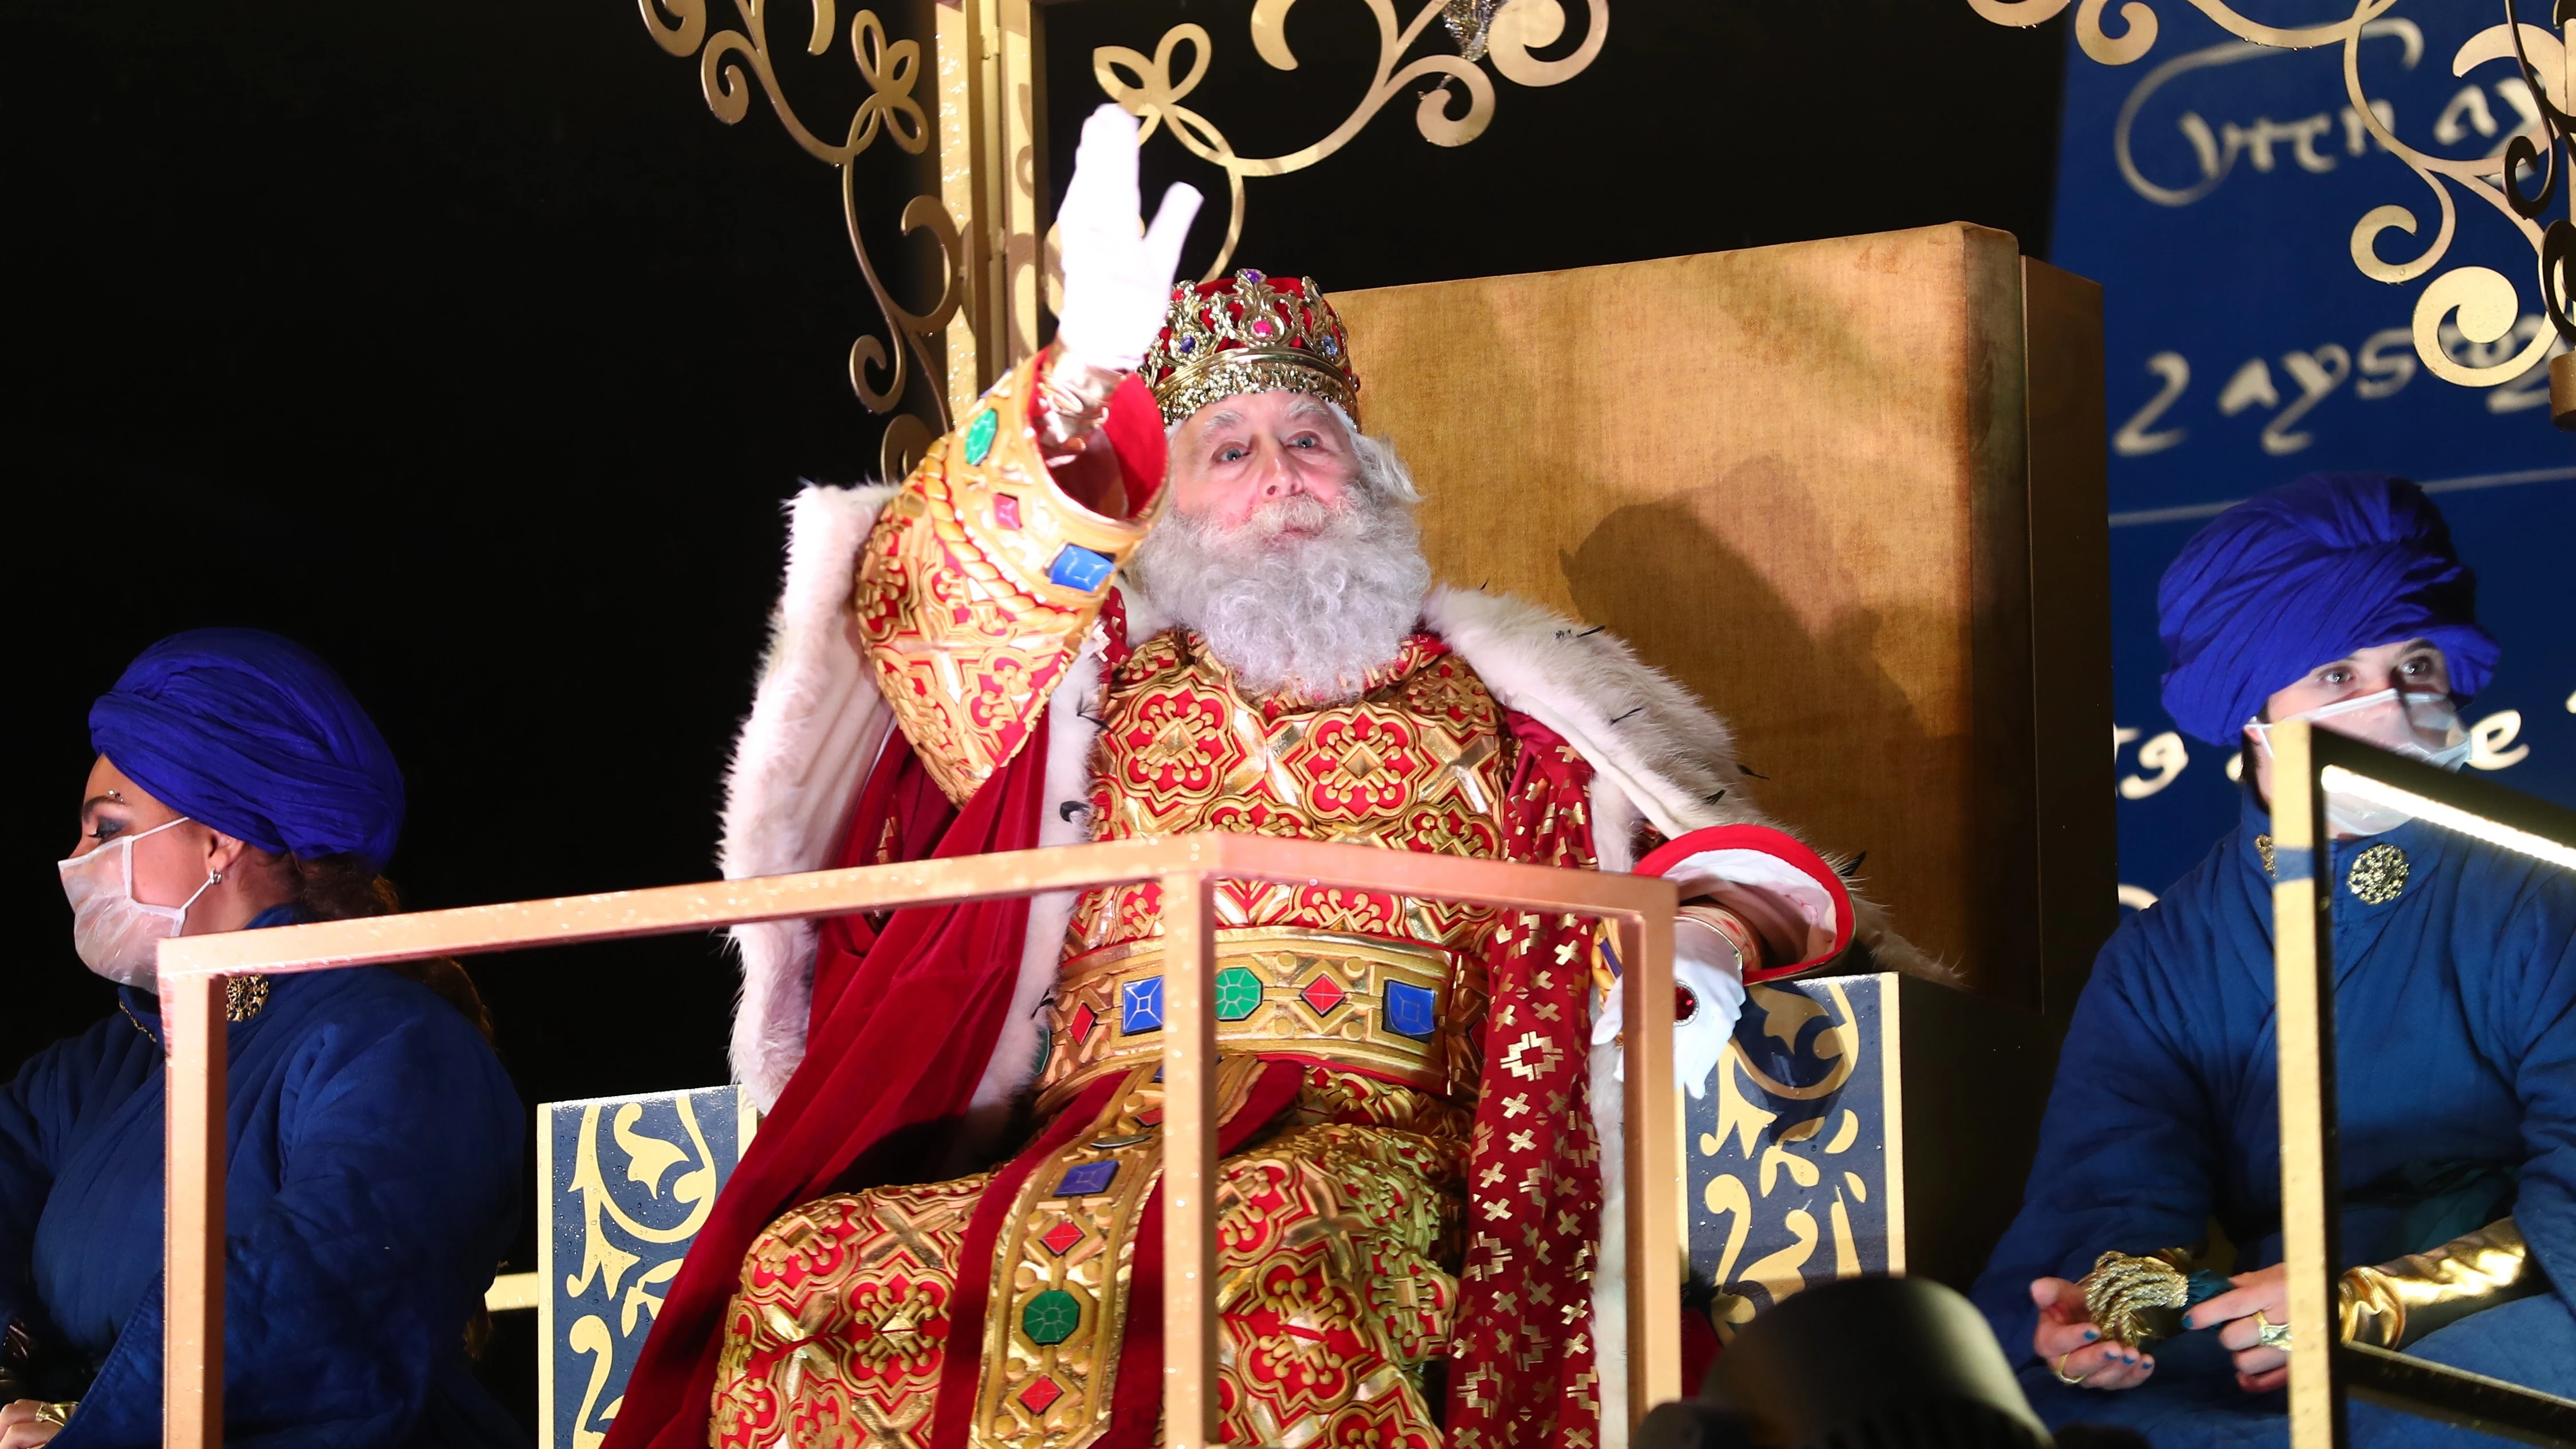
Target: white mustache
column 1274, row 518
column 1300, row 592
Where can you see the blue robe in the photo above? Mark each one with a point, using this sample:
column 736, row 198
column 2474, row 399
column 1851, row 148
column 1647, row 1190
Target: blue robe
column 373, row 1188
column 2455, row 1008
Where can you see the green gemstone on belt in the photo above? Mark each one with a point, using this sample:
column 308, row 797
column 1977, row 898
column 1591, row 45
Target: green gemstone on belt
column 979, row 435
column 1238, row 993
column 1051, row 1317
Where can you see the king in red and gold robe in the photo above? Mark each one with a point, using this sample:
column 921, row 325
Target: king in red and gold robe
column 1415, row 1154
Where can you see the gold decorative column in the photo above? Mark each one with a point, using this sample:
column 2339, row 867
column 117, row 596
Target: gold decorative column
column 991, row 163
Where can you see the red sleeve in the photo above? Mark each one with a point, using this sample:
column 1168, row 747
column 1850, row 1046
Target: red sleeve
column 1135, row 429
column 1760, row 858
column 1131, row 434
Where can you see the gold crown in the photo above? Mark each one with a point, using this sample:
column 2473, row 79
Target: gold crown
column 1249, row 333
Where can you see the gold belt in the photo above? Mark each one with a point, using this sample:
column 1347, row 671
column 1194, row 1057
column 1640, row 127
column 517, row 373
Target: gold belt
column 1397, row 1010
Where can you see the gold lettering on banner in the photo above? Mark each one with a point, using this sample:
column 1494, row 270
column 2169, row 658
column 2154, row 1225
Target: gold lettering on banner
column 1145, row 85
column 2519, row 179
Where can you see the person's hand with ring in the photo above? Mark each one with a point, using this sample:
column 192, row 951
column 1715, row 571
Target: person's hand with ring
column 27, row 1423
column 2075, row 1349
column 2253, row 1320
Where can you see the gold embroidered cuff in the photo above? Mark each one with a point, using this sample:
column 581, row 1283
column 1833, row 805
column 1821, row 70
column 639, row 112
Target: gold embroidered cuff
column 2394, row 1304
column 976, row 586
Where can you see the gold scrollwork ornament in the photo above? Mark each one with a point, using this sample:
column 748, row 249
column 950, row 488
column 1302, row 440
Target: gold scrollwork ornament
column 891, row 68
column 1146, row 87
column 2479, row 301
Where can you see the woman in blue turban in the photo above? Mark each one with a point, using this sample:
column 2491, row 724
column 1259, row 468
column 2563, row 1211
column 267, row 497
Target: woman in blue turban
column 2338, row 599
column 373, row 1181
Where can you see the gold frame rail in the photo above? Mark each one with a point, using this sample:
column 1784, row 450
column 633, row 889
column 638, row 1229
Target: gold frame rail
column 2306, row 761
column 1640, row 909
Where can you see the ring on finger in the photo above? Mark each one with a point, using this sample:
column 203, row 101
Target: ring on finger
column 2270, row 1334
column 2063, row 1376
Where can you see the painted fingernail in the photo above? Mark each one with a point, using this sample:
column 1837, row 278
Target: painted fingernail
column 2187, row 1323
column 2091, row 1334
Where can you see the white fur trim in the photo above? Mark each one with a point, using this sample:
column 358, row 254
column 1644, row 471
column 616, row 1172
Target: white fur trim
column 1610, row 1270
column 1638, row 727
column 816, row 724
column 1615, row 818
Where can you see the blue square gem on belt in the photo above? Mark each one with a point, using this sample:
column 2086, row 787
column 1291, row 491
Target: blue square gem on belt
column 1087, row 1179
column 1140, row 1006
column 1409, row 1010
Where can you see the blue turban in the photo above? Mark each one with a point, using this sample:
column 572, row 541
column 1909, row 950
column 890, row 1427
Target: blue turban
column 251, row 734
column 2302, row 576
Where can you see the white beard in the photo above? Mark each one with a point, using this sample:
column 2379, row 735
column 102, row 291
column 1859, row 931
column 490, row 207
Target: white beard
column 1313, row 614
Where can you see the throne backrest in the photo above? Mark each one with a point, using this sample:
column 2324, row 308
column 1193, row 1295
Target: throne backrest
column 1850, row 491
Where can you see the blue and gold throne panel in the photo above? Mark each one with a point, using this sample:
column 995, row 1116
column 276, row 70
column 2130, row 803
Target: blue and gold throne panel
column 1856, row 1124
column 624, row 1185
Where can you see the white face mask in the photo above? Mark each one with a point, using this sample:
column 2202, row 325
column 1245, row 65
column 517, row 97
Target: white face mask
column 2420, row 726
column 116, row 935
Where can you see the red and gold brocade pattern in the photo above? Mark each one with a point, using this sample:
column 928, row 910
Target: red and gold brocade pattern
column 1373, row 981
column 840, row 1328
column 1334, row 1224
column 976, row 585
column 1522, row 1369
column 1419, row 761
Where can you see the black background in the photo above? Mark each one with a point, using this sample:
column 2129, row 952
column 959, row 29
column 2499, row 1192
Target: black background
column 468, row 348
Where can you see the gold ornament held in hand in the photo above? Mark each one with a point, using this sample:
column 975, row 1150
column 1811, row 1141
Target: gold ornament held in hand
column 2135, row 1300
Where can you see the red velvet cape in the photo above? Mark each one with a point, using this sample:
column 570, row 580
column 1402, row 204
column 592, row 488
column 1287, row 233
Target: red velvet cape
column 905, row 1014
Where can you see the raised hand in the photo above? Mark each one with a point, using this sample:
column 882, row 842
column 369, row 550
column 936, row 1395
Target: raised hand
column 1116, row 281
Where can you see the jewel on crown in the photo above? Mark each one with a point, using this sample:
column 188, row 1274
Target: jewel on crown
column 1249, row 333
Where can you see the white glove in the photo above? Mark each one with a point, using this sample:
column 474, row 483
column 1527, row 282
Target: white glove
column 1705, row 963
column 1116, row 282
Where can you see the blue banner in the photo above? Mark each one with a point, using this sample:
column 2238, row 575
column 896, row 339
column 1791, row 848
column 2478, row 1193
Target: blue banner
column 1796, row 1154
column 2213, row 188
column 625, row 1184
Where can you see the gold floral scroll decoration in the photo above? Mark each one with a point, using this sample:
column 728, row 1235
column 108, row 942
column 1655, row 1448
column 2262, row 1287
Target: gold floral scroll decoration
column 1147, row 87
column 891, row 69
column 2483, row 299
